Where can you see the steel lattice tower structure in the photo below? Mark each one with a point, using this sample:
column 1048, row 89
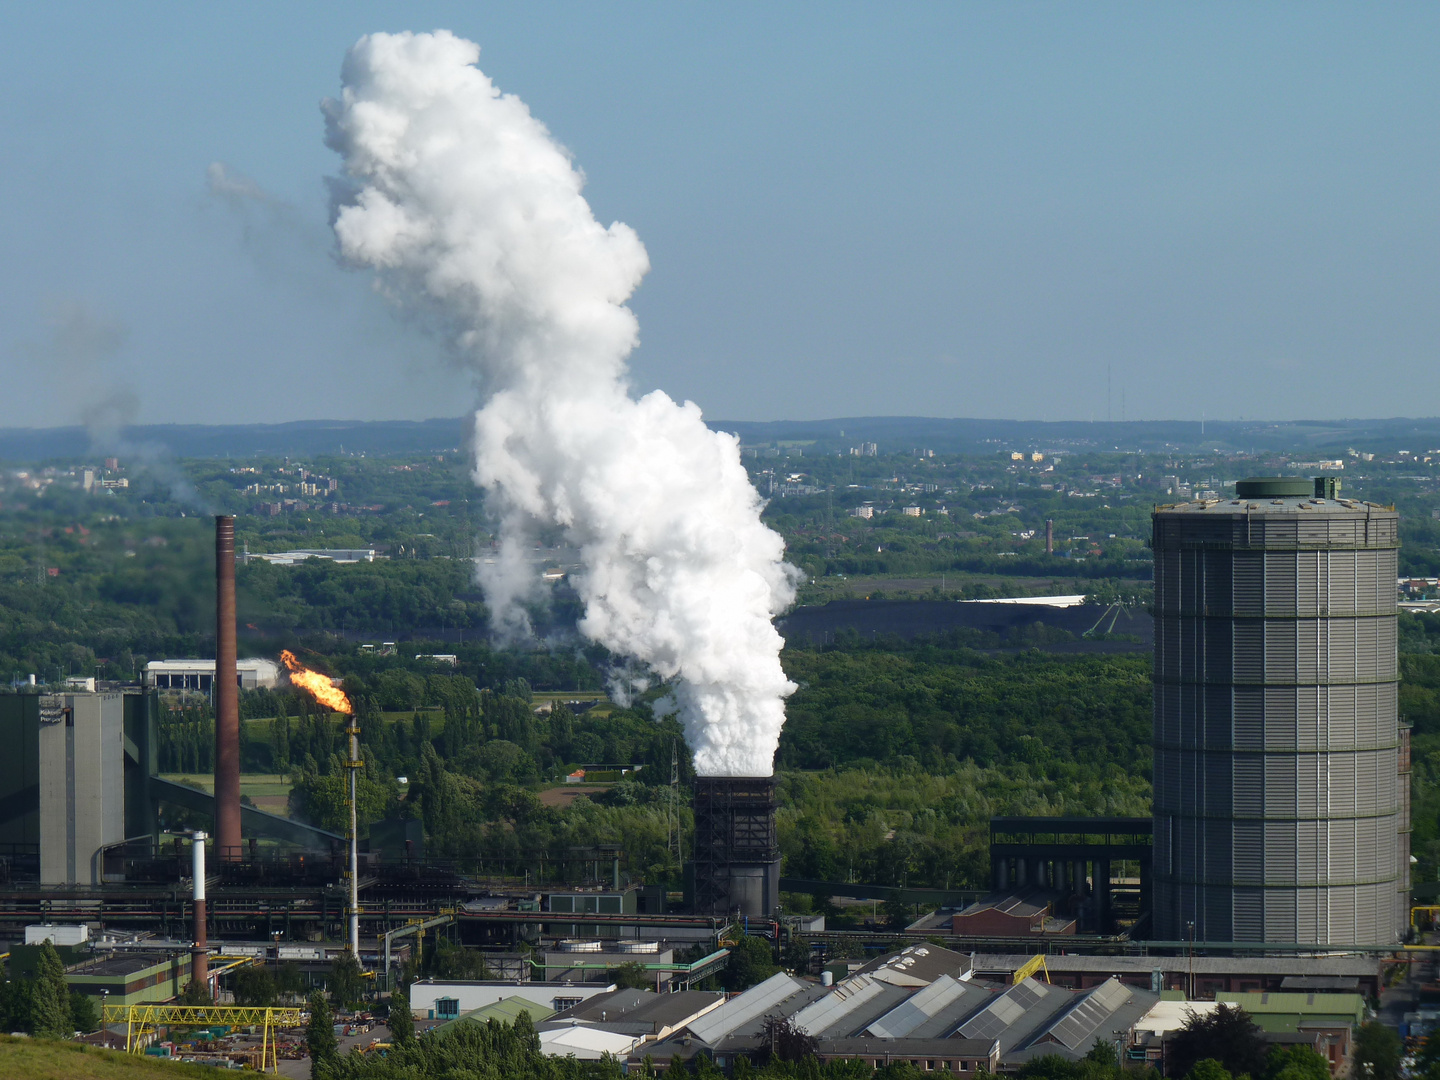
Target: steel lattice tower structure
column 737, row 856
column 1281, row 805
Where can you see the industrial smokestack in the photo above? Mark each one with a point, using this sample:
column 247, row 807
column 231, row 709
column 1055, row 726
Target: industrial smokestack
column 737, row 856
column 1049, row 537
column 227, row 704
column 199, row 951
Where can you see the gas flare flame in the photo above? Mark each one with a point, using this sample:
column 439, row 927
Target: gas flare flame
column 316, row 685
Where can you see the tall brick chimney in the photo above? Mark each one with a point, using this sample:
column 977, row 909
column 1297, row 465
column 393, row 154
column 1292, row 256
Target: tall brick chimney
column 227, row 701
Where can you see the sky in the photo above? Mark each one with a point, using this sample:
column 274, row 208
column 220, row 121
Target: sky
column 1031, row 211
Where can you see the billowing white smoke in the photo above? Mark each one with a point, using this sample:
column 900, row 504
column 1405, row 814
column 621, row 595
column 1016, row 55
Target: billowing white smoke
column 470, row 210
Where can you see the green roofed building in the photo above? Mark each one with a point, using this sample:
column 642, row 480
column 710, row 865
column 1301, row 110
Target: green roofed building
column 1330, row 1018
column 131, row 978
column 503, row 1011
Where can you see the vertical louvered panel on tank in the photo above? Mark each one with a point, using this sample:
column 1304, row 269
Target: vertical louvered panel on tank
column 1280, row 651
column 1249, row 717
column 1386, row 646
column 1367, row 583
column 1249, row 915
column 1342, row 582
column 1280, row 786
column 1219, row 584
column 1280, row 717
column 1311, row 531
column 1306, row 928
column 1280, row 583
column 1280, row 915
column 1308, row 854
column 1311, row 730
column 1307, row 583
column 1219, row 646
column 1248, row 576
column 1248, row 651
column 1249, row 845
column 1249, row 785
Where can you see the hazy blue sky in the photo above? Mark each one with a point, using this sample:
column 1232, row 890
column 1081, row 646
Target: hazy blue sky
column 945, row 210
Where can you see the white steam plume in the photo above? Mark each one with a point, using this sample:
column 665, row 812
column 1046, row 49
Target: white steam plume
column 467, row 208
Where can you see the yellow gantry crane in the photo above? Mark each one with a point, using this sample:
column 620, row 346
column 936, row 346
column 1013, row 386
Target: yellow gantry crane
column 144, row 1020
column 1030, row 967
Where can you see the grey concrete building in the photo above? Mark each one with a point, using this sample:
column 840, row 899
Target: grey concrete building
column 82, row 784
column 1280, row 812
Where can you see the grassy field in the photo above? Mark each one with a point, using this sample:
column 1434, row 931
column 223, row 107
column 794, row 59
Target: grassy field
column 268, row 791
column 947, row 586
column 38, row 1059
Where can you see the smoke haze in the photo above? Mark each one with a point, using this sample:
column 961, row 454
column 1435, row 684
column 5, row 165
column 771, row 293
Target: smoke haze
column 471, row 213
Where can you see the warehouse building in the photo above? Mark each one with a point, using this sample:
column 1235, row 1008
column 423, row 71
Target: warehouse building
column 197, row 675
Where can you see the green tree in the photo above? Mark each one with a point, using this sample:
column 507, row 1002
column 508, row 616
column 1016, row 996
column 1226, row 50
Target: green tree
column 750, row 963
column 449, row 961
column 50, row 997
column 255, row 986
column 289, row 981
column 1378, row 1052
column 1208, row 1069
column 347, row 986
column 1103, row 1054
column 84, row 1013
column 196, row 994
column 1227, row 1035
column 1296, row 1063
column 16, row 997
column 795, row 956
column 320, row 1039
column 402, row 1020
column 630, row 976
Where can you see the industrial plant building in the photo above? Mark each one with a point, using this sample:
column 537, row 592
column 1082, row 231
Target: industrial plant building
column 736, row 868
column 199, row 674
column 1281, row 794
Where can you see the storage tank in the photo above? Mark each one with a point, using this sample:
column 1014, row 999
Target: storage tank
column 1279, row 811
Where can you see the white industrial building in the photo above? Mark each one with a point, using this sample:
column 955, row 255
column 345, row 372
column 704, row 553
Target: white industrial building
column 339, row 555
column 199, row 674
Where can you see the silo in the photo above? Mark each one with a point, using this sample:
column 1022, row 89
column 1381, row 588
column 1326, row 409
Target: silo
column 1278, row 810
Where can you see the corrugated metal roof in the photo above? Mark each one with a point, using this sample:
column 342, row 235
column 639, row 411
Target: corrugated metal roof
column 1076, row 1027
column 1003, row 1011
column 1332, row 1004
column 925, row 1004
column 718, row 1023
column 585, row 1042
column 830, row 1009
column 504, row 1011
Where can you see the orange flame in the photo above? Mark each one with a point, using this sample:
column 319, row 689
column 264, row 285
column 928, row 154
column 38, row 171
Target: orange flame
column 316, row 685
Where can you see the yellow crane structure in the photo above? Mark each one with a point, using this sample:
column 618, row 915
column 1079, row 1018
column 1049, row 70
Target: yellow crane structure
column 1030, row 967
column 142, row 1021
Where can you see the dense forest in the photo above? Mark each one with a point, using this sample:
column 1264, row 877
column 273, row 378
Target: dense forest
column 894, row 754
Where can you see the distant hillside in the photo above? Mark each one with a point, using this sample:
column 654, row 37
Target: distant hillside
column 302, row 438
column 901, row 434
column 892, row 434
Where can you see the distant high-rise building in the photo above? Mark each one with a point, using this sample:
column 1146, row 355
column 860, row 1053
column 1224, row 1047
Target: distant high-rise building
column 1281, row 805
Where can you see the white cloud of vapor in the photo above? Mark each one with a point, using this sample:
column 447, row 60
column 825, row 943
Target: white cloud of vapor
column 471, row 212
